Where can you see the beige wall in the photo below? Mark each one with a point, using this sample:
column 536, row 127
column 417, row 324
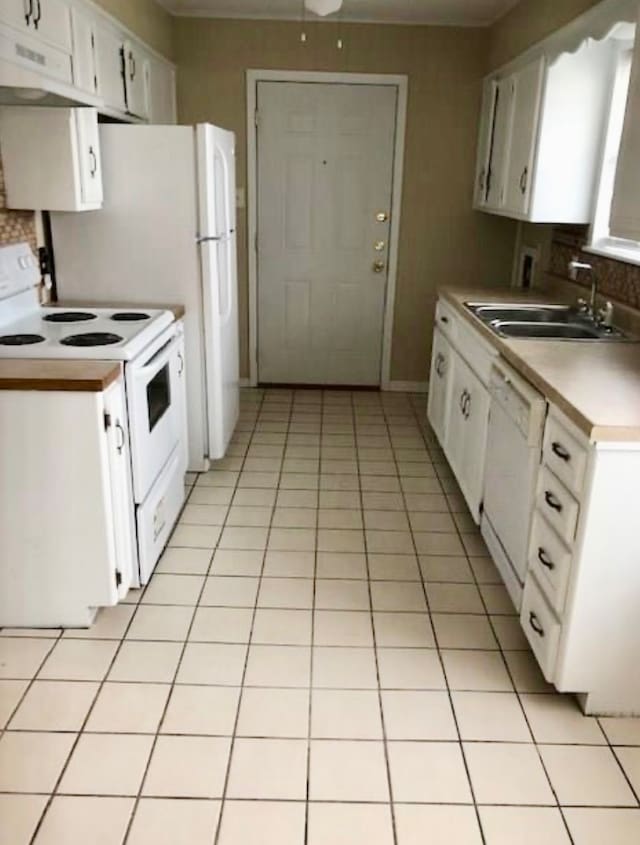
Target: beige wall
column 147, row 19
column 529, row 22
column 442, row 240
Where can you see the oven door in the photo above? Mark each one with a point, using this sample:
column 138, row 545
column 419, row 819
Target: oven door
column 153, row 403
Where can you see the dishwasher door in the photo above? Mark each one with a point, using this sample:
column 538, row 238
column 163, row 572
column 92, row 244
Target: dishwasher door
column 516, row 422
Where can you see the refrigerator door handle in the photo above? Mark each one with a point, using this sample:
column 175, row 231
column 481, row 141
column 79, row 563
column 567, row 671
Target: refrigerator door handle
column 203, row 239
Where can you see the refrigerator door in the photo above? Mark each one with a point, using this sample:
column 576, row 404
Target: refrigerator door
column 216, row 187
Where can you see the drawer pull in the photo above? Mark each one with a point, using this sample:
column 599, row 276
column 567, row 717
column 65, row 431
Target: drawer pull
column 559, row 450
column 552, row 501
column 535, row 624
column 544, row 559
column 444, row 319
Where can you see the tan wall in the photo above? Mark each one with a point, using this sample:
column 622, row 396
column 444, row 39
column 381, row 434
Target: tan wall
column 147, row 19
column 529, row 22
column 442, row 240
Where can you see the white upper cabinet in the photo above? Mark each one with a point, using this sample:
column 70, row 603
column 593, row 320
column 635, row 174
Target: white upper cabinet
column 47, row 20
column 85, row 70
column 109, row 62
column 161, row 86
column 136, row 75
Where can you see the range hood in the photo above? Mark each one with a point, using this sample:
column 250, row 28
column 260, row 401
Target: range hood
column 20, row 86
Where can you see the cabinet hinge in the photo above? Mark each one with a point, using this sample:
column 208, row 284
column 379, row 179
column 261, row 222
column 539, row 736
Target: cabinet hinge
column 256, row 118
column 118, row 577
column 107, row 421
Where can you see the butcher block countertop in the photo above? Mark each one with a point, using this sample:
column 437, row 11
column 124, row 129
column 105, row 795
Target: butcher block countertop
column 595, row 384
column 73, row 376
column 178, row 310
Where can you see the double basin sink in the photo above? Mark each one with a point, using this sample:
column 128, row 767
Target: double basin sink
column 551, row 322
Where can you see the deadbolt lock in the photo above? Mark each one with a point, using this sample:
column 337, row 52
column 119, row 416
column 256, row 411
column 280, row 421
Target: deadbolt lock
column 379, row 246
column 378, row 266
column 382, row 217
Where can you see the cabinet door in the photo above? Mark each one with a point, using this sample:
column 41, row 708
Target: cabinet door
column 52, row 21
column 16, row 13
column 161, row 85
column 121, row 490
column 485, row 141
column 109, row 62
column 439, row 385
column 502, row 120
column 89, row 156
column 527, row 90
column 136, row 75
column 84, row 56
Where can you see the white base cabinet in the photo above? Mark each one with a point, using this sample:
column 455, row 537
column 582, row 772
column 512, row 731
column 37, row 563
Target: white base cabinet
column 67, row 528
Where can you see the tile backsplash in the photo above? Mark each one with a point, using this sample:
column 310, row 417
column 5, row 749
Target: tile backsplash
column 15, row 226
column 616, row 279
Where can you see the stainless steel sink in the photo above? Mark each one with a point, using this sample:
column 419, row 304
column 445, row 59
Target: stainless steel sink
column 551, row 322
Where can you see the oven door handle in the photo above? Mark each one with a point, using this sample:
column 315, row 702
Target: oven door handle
column 158, row 360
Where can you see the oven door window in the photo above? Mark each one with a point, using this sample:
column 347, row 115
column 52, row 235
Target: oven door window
column 158, row 396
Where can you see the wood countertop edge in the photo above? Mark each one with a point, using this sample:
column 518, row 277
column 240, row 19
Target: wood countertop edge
column 59, row 378
column 593, row 431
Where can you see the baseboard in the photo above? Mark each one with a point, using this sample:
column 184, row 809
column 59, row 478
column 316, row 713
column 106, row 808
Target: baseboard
column 245, row 382
column 406, row 386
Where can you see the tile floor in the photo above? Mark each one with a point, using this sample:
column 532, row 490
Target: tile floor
column 325, row 656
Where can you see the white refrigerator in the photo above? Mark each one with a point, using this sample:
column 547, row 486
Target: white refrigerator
column 166, row 235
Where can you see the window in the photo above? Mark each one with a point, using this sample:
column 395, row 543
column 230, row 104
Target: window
column 601, row 240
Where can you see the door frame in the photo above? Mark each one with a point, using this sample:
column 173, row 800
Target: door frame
column 400, row 82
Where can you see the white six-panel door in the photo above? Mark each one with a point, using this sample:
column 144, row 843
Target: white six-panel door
column 325, row 168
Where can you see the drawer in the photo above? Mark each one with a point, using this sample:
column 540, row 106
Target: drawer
column 564, row 454
column 550, row 559
column 540, row 626
column 557, row 505
column 447, row 320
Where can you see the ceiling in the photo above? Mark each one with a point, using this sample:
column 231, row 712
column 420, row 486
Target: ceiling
column 439, row 12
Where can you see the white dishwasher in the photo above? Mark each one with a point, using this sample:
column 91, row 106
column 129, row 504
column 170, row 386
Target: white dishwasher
column 514, row 443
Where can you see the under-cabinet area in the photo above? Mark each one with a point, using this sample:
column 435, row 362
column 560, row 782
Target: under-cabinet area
column 553, row 482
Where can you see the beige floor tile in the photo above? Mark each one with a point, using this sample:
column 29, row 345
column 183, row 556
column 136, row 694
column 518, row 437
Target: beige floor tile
column 418, row 715
column 32, row 762
column 268, row 480
column 79, row 660
column 78, row 820
column 106, row 764
column 299, row 481
column 403, row 630
column 195, row 537
column 221, row 624
column 55, row 706
column 347, row 668
column 446, row 568
column 348, row 771
column 509, row 633
column 497, row 600
column 249, row 517
column 463, row 632
column 268, row 768
column 386, row 520
column 289, row 564
column 203, row 710
column 490, row 717
column 505, row 773
column 173, row 589
column 267, row 823
column 430, row 772
column 211, row 495
column 342, row 628
column 340, row 540
column 525, row 671
column 345, row 714
column 274, row 713
column 160, row 622
column 229, row 591
column 237, row 562
column 297, row 499
column 245, row 539
column 393, row 567
column 21, row 658
column 282, row 627
column 194, row 514
column 339, row 518
column 347, row 824
column 292, row 539
column 420, row 485
column 295, row 518
column 217, row 478
column 481, row 671
column 184, row 562
column 426, row 502
column 128, row 708
column 557, row 718
column 10, row 694
column 595, row 826
column 427, row 522
column 278, row 666
column 167, row 821
column 485, row 570
column 342, row 594
column 524, row 825
column 390, row 542
column 474, row 545
column 586, row 775
column 349, row 499
column 254, row 498
column 410, row 668
column 447, row 825
column 340, row 482
column 454, row 598
column 390, row 595
column 146, row 661
column 20, row 815
column 437, row 543
column 187, row 767
column 212, row 663
column 621, row 730
column 341, row 565
column 293, row 593
column 110, row 624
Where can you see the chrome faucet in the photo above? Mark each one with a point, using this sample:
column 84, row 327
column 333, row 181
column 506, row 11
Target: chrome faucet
column 590, row 307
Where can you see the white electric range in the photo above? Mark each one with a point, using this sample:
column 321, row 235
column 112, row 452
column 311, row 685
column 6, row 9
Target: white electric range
column 151, row 346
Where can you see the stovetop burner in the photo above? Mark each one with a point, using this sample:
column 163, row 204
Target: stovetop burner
column 91, row 339
column 130, row 316
column 20, row 339
column 69, row 317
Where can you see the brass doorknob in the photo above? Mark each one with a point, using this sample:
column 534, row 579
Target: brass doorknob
column 378, row 266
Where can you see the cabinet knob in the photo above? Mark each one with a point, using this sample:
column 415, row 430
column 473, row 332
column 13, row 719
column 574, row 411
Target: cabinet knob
column 559, row 450
column 544, row 559
column 534, row 622
column 552, row 501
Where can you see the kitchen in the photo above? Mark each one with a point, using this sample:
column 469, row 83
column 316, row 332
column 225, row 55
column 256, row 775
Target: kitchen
column 341, row 640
